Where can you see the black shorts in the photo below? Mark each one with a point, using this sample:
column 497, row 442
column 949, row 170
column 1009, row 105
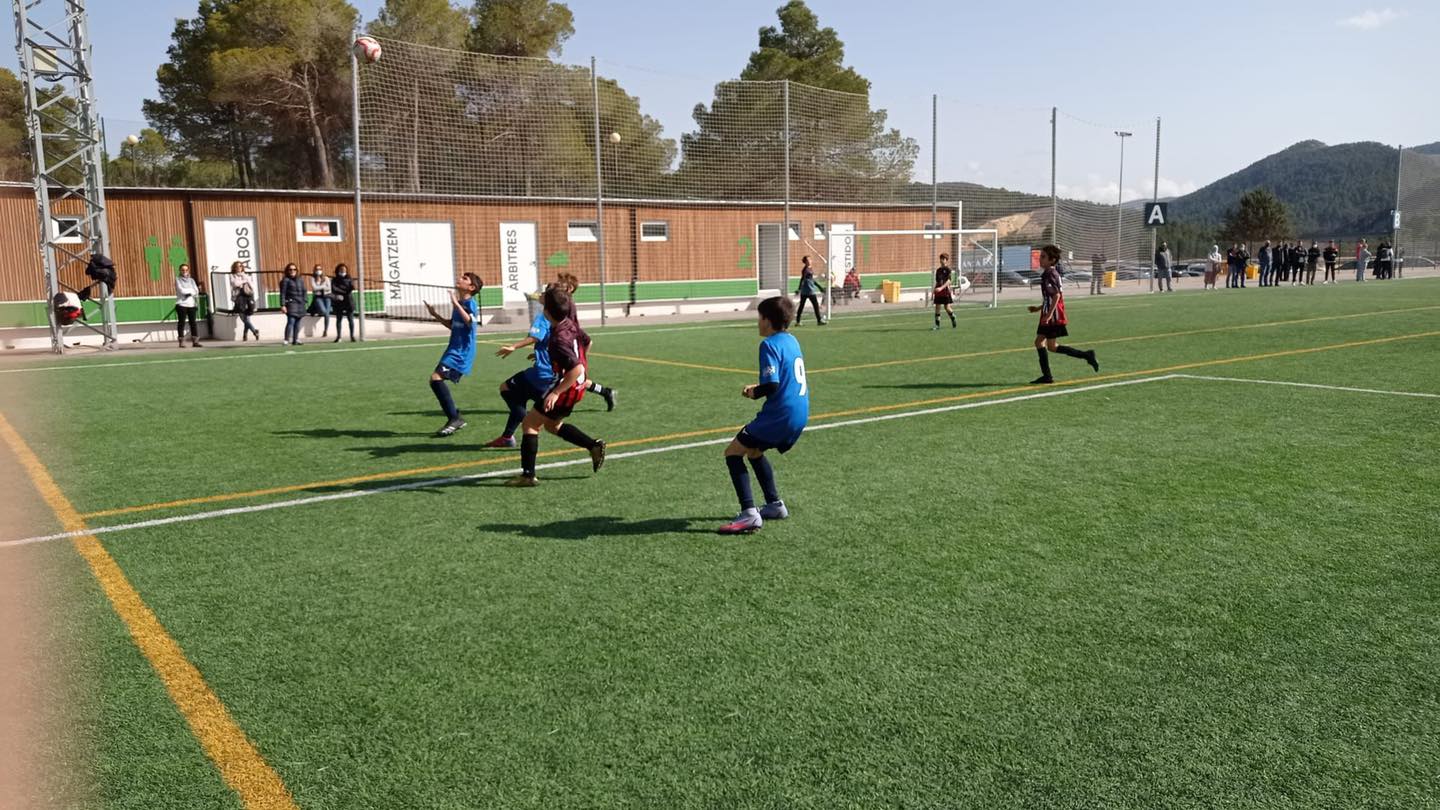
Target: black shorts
column 1051, row 331
column 521, row 383
column 944, row 298
column 447, row 373
column 756, row 443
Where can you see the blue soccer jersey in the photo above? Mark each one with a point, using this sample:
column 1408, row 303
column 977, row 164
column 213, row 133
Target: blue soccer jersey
column 460, row 353
column 542, row 374
column 787, row 408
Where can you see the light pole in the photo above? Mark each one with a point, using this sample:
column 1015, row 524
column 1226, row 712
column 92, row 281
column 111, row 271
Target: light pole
column 1120, row 201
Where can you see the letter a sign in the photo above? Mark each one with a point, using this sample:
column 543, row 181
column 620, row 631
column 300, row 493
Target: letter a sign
column 1157, row 214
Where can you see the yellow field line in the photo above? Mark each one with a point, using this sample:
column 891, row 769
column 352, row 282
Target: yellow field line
column 675, row 363
column 1208, row 330
column 224, row 742
column 509, row 459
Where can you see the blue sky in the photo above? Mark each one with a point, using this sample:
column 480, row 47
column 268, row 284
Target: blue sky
column 1228, row 92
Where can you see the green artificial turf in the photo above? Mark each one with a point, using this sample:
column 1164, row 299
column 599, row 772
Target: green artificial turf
column 1180, row 593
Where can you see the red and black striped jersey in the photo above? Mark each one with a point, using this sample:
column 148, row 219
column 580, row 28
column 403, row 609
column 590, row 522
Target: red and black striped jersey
column 1052, row 305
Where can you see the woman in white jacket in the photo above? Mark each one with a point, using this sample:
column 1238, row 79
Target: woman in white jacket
column 187, row 299
column 1214, row 272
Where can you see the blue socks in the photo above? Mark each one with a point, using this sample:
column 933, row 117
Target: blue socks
column 740, row 477
column 442, row 394
column 765, row 474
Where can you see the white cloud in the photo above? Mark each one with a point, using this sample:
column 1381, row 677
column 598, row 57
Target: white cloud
column 1100, row 191
column 1371, row 19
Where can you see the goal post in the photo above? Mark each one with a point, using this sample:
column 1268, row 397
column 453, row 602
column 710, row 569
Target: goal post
column 975, row 253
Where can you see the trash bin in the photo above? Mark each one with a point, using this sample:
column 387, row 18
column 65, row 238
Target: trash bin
column 1111, row 277
column 1252, row 271
column 890, row 291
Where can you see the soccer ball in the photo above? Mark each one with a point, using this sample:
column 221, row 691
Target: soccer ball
column 367, row 49
column 614, row 137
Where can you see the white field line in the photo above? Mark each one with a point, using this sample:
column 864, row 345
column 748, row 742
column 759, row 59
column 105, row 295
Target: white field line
column 1309, row 385
column 441, row 482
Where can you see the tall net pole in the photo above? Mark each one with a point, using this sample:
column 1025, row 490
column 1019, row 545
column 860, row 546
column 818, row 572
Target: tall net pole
column 599, row 185
column 1054, row 198
column 1120, row 203
column 1155, row 197
column 359, row 218
column 1395, row 215
column 785, row 226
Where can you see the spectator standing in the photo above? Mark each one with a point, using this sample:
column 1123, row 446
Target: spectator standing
column 1331, row 253
column 320, row 301
column 1384, row 261
column 292, row 300
column 1265, row 252
column 1297, row 263
column 1214, row 271
column 1312, row 263
column 1162, row 267
column 342, row 289
column 1097, row 274
column 242, row 299
column 1362, row 260
column 187, row 299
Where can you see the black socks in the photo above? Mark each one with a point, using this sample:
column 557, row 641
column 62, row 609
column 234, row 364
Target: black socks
column 1070, row 351
column 765, row 474
column 529, row 448
column 516, row 402
column 575, row 436
column 1044, row 361
column 447, row 404
column 740, row 477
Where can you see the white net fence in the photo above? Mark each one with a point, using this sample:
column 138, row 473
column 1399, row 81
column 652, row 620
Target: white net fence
column 1419, row 233
column 520, row 169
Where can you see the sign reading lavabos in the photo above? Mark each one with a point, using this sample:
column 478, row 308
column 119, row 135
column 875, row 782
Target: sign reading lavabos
column 229, row 240
column 519, row 261
column 415, row 253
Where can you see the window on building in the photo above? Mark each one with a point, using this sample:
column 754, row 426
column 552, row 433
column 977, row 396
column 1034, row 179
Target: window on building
column 654, row 232
column 318, row 229
column 583, row 231
column 66, row 230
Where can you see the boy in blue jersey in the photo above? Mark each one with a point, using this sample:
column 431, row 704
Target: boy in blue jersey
column 778, row 425
column 459, row 354
column 529, row 385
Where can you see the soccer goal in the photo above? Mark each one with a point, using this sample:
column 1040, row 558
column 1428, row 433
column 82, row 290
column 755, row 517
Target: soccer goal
column 909, row 257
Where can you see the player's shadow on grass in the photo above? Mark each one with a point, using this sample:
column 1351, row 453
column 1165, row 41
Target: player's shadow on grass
column 436, row 446
column 438, row 415
column 602, row 526
column 340, row 433
column 943, row 385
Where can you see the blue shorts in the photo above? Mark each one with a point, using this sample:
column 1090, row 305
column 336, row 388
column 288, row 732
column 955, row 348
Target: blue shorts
column 764, row 442
column 447, row 373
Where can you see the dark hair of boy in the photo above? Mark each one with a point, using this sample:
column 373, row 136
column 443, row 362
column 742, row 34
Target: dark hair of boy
column 557, row 304
column 1052, row 252
column 475, row 280
column 779, row 311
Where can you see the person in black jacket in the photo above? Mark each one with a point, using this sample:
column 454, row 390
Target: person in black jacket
column 1297, row 263
column 292, row 300
column 342, row 289
column 1312, row 263
column 1331, row 253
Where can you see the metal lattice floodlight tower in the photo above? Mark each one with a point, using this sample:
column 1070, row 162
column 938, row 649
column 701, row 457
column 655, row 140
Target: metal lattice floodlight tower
column 53, row 41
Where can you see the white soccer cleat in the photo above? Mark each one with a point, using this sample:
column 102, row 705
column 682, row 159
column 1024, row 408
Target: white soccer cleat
column 774, row 511
column 747, row 522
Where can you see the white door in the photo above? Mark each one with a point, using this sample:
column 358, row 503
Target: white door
column 519, row 261
column 229, row 240
column 415, row 253
column 771, row 268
